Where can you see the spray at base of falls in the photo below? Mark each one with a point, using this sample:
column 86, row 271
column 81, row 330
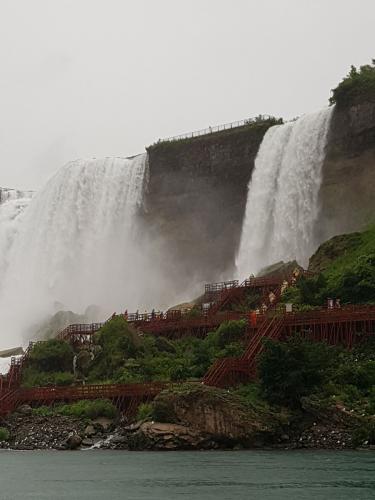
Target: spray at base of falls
column 12, row 204
column 78, row 244
column 282, row 205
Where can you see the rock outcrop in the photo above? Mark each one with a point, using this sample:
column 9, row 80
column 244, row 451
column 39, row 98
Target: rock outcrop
column 196, row 197
column 348, row 186
column 212, row 412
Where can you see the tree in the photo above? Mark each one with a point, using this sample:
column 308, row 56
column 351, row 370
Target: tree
column 293, row 369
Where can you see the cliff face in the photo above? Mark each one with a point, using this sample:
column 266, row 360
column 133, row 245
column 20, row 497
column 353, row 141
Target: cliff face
column 348, row 188
column 196, row 199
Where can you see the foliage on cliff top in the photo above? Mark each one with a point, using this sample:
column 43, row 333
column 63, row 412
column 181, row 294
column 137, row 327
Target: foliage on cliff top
column 258, row 124
column 346, row 269
column 358, row 86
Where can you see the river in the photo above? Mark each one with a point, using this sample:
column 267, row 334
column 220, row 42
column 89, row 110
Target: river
column 239, row 475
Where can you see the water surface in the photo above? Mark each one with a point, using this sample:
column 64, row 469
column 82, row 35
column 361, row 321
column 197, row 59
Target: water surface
column 263, row 475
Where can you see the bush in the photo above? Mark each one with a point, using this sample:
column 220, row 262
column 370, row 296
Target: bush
column 88, row 409
column 51, row 356
column 33, row 378
column 357, row 86
column 4, row 434
column 118, row 342
column 230, row 331
column 293, row 369
column 43, row 411
column 145, row 411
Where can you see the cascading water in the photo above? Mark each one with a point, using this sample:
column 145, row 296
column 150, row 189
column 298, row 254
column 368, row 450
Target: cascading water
column 77, row 245
column 12, row 204
column 282, row 204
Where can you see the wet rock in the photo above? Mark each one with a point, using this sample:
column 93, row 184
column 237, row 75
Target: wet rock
column 74, row 441
column 90, row 430
column 103, row 424
column 162, row 436
column 88, row 442
column 24, row 410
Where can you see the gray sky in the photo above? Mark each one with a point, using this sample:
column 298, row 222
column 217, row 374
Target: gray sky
column 106, row 77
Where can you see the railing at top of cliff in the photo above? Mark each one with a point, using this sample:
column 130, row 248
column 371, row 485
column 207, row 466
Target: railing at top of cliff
column 220, row 128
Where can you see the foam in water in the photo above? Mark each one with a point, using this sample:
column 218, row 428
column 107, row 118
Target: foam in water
column 77, row 245
column 282, row 206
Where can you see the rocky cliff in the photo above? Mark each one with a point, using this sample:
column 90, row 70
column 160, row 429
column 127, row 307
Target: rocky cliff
column 348, row 187
column 196, row 198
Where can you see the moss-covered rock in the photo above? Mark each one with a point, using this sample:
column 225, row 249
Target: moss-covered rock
column 336, row 247
column 217, row 413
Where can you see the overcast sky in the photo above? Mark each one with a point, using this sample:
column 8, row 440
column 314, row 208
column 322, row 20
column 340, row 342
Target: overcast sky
column 82, row 78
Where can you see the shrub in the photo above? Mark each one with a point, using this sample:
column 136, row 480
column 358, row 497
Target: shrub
column 230, row 331
column 88, row 409
column 4, row 434
column 293, row 369
column 118, row 342
column 43, row 411
column 33, row 378
column 358, row 85
column 51, row 356
column 145, row 411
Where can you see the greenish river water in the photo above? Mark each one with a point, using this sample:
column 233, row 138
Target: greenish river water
column 91, row 475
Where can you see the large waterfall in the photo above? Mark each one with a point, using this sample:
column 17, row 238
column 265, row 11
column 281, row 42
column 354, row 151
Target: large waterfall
column 282, row 206
column 12, row 204
column 76, row 245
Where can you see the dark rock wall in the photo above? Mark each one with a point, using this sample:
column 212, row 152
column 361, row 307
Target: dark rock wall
column 196, row 200
column 348, row 189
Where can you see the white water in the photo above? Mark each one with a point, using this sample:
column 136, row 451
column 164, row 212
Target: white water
column 282, row 205
column 12, row 204
column 76, row 245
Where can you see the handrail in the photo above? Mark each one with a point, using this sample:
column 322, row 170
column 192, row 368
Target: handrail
column 219, row 128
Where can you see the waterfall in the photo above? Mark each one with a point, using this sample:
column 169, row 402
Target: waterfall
column 76, row 245
column 12, row 204
column 282, row 205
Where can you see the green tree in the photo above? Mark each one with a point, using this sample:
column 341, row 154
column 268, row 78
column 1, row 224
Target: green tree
column 358, row 85
column 293, row 369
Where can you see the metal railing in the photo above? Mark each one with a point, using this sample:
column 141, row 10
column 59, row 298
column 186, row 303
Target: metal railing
column 219, row 128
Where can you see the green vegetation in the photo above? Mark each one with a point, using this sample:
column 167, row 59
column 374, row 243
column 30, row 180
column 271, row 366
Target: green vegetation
column 80, row 409
column 292, row 370
column 4, row 434
column 145, row 411
column 258, row 124
column 347, row 271
column 49, row 363
column 121, row 355
column 357, row 86
column 125, row 357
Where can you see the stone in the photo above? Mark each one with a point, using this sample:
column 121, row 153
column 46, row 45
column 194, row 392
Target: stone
column 88, row 442
column 24, row 410
column 74, row 441
column 90, row 430
column 103, row 424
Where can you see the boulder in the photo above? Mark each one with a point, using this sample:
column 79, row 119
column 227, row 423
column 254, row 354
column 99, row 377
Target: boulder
column 74, row 441
column 24, row 410
column 88, row 442
column 163, row 436
column 213, row 412
column 103, row 424
column 90, row 430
